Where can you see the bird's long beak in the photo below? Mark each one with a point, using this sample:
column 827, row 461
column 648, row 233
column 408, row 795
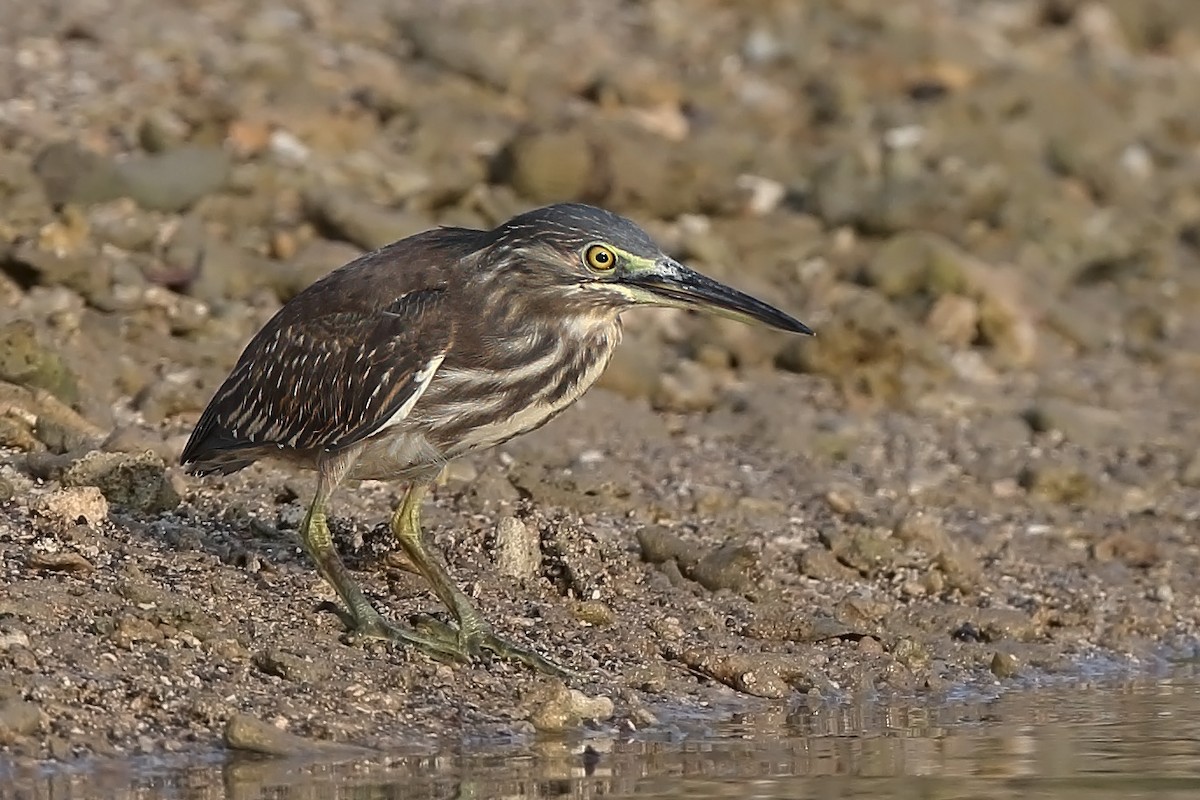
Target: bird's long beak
column 669, row 283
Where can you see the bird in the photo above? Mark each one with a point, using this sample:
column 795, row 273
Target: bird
column 444, row 343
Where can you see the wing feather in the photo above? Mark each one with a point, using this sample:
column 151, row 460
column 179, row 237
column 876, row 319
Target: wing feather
column 323, row 383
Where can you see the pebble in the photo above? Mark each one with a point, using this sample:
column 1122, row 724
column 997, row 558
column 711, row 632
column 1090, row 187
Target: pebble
column 518, row 549
column 248, row 733
column 135, row 481
column 553, row 708
column 290, row 667
column 70, row 506
column 18, row 718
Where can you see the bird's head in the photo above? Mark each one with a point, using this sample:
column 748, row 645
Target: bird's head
column 575, row 254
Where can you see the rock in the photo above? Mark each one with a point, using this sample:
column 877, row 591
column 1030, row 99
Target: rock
column 954, row 320
column 290, row 667
column 593, row 612
column 12, row 638
column 161, row 130
column 767, row 675
column 731, row 567
column 687, row 388
column 869, row 349
column 171, row 394
column 169, row 181
column 635, row 369
column 1004, row 665
column 89, row 272
column 63, row 561
column 784, row 622
column 870, row 551
column 923, row 264
column 660, row 544
column 1084, row 425
column 960, row 568
column 39, row 415
column 342, row 215
column 25, row 361
column 138, row 482
column 553, row 708
column 1058, row 483
column 128, row 629
column 548, row 166
column 72, row 506
column 212, row 270
column 244, row 732
column 70, row 174
column 1189, row 473
column 176, row 179
column 820, row 564
column 518, row 549
column 18, row 718
column 7, row 490
column 1131, row 548
column 910, row 653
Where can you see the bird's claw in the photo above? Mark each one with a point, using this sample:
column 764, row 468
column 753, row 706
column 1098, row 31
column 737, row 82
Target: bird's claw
column 470, row 643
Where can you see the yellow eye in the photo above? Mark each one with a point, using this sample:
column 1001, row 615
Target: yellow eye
column 600, row 258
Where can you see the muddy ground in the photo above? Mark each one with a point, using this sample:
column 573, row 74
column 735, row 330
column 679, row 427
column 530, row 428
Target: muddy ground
column 982, row 472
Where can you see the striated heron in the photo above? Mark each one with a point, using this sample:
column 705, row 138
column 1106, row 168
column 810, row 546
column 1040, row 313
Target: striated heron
column 449, row 341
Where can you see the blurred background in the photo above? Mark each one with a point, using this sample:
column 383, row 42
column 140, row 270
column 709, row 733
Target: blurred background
column 984, row 467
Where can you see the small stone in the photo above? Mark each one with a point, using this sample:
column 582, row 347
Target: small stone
column 770, row 675
column 136, row 481
column 161, row 129
column 594, row 612
column 689, row 387
column 731, row 566
column 660, row 544
column 1189, row 474
column 248, row 137
column 18, row 718
column 25, row 361
column 63, row 561
column 1088, row 426
column 72, row 506
column 1057, row 483
column 290, row 667
column 518, row 549
column 548, row 166
column 1004, row 665
column 954, row 320
column 553, row 708
column 909, row 653
column 129, row 629
column 176, row 179
column 344, row 216
column 822, row 565
column 244, row 732
column 1133, row 549
column 13, row 637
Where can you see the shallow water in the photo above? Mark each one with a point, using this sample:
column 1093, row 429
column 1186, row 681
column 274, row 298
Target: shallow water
column 1129, row 739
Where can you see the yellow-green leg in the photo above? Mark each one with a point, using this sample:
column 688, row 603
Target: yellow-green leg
column 474, row 634
column 367, row 621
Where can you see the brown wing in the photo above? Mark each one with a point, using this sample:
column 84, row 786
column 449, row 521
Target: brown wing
column 322, row 383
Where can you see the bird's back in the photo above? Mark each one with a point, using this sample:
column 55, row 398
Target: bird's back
column 325, row 370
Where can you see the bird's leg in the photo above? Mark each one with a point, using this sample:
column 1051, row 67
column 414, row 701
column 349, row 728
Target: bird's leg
column 474, row 633
column 367, row 621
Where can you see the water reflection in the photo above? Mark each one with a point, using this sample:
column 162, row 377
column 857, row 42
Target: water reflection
column 1130, row 740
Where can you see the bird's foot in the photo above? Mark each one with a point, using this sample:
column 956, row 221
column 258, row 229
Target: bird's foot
column 435, row 647
column 470, row 642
